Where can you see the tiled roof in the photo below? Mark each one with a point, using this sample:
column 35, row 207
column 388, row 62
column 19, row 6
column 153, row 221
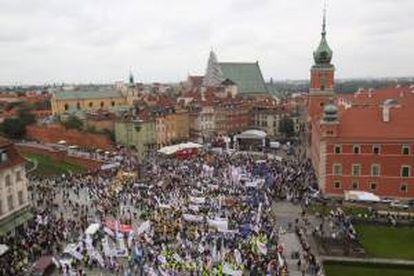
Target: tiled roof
column 364, row 119
column 87, row 94
column 247, row 76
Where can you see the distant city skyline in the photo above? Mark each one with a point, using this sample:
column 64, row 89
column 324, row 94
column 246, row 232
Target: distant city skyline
column 46, row 41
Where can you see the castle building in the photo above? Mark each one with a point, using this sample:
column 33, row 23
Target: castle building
column 362, row 141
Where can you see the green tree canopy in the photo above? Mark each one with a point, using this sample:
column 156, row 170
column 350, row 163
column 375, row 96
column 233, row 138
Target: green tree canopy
column 13, row 128
column 73, row 122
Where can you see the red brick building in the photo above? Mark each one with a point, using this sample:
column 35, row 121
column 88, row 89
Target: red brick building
column 363, row 141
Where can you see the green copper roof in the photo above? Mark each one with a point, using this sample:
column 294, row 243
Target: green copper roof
column 92, row 94
column 323, row 55
column 247, row 76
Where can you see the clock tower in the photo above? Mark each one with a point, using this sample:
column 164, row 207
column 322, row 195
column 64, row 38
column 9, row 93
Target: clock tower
column 321, row 89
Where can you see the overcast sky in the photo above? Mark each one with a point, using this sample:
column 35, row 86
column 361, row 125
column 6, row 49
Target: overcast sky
column 165, row 40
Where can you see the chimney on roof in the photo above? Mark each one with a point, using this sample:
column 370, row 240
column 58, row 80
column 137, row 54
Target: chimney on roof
column 386, row 114
column 386, row 109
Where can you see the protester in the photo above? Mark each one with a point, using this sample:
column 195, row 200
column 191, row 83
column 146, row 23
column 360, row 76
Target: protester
column 210, row 213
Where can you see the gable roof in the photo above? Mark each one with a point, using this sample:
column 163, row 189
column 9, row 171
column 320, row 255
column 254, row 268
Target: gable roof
column 247, row 76
column 87, row 94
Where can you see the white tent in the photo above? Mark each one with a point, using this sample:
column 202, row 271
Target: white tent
column 361, row 196
column 252, row 134
column 183, row 146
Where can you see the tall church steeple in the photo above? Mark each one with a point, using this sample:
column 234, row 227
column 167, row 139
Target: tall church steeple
column 322, row 72
column 214, row 76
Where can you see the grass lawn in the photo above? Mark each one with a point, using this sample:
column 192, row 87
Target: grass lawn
column 342, row 269
column 47, row 166
column 387, row 242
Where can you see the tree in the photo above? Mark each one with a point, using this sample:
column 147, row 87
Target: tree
column 73, row 122
column 13, row 128
column 25, row 116
column 286, row 127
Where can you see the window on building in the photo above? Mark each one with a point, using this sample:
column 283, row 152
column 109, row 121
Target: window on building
column 7, row 180
column 355, row 185
column 337, row 169
column 376, row 149
column 113, row 103
column 3, row 156
column 20, row 197
column 78, row 106
column 373, row 186
column 10, row 203
column 66, row 107
column 90, row 104
column 406, row 150
column 18, row 176
column 405, row 171
column 102, row 104
column 321, row 104
column 337, row 184
column 375, row 170
column 338, row 149
column 356, row 149
column 356, row 169
column 404, row 188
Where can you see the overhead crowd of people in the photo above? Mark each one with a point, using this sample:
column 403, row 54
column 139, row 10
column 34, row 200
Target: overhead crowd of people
column 207, row 215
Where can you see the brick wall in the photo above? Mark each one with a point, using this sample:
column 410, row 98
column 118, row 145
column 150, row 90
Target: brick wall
column 61, row 156
column 55, row 133
column 390, row 160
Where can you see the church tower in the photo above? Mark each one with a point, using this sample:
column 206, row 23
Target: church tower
column 322, row 88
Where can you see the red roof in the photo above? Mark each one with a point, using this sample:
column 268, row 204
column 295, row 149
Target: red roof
column 364, row 119
column 13, row 157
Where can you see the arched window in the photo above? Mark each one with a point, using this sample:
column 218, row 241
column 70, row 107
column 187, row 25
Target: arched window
column 102, row 104
column 66, row 107
column 113, row 103
column 90, row 104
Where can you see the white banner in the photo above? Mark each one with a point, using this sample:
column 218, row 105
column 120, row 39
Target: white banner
column 220, row 224
column 194, row 218
column 197, row 200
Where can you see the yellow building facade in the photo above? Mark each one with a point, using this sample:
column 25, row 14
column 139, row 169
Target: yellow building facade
column 72, row 101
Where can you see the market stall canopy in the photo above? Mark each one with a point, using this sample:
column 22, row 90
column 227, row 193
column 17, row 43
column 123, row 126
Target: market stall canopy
column 175, row 148
column 361, row 196
column 252, row 134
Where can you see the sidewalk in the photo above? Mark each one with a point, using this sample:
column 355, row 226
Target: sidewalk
column 368, row 260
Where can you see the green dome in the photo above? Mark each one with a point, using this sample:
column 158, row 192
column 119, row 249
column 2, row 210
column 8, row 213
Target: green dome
column 330, row 113
column 323, row 55
column 330, row 109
